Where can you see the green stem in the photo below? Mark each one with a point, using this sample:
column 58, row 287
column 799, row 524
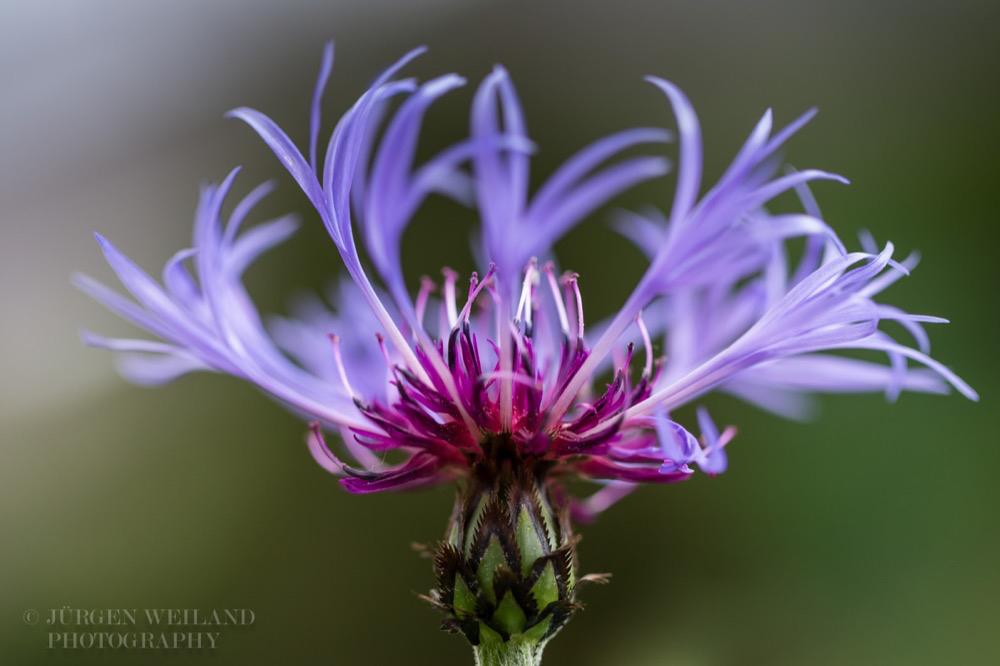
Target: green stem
column 511, row 653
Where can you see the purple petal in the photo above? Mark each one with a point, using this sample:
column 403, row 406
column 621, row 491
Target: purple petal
column 549, row 225
column 326, row 66
column 147, row 370
column 284, row 150
column 588, row 159
column 689, row 131
column 418, row 472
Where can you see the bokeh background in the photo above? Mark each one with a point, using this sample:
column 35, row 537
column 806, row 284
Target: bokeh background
column 869, row 536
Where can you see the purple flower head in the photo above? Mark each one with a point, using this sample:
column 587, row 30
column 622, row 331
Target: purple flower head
column 499, row 364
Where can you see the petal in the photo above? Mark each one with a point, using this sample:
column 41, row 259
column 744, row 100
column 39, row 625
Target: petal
column 284, row 150
column 156, row 370
column 575, row 168
column 549, row 224
column 689, row 167
column 419, row 471
column 325, row 68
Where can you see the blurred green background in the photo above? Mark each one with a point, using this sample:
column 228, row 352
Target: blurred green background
column 869, row 536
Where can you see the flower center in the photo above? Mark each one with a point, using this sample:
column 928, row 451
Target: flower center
column 492, row 381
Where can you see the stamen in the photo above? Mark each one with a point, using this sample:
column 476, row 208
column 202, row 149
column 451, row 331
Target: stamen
column 557, row 297
column 629, row 349
column 427, row 287
column 475, row 286
column 647, row 370
column 450, row 278
column 502, row 316
column 522, row 351
column 473, row 283
column 525, row 305
column 335, row 339
column 325, row 456
column 321, row 452
column 573, row 280
column 385, row 352
column 390, row 369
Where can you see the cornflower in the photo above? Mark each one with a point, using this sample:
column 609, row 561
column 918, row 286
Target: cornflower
column 493, row 384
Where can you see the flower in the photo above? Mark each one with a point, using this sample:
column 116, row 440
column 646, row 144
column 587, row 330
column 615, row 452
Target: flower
column 496, row 385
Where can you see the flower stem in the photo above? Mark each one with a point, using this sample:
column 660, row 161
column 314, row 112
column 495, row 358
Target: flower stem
column 510, row 653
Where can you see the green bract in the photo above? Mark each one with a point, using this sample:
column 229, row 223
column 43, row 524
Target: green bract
column 507, row 571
